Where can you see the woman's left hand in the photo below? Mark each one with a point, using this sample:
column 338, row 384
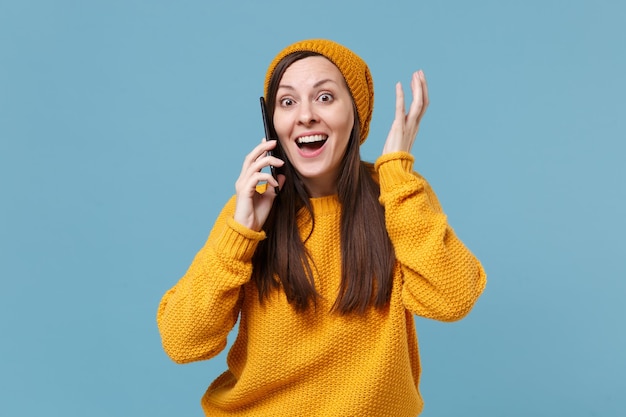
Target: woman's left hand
column 405, row 126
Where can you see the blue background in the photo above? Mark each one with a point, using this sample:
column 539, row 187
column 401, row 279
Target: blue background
column 123, row 126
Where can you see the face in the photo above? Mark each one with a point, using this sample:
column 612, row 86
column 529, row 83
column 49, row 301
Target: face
column 313, row 119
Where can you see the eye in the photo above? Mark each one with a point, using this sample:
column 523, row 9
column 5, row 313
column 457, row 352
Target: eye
column 286, row 102
column 325, row 97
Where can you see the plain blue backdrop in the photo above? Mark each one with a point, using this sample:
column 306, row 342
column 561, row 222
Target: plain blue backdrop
column 123, row 126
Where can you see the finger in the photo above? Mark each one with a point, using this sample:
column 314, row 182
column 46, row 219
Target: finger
column 279, row 182
column 265, row 161
column 254, row 162
column 425, row 100
column 263, row 147
column 248, row 185
column 424, row 90
column 259, row 151
column 399, row 103
column 418, row 99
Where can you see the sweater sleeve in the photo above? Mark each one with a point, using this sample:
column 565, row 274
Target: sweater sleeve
column 196, row 315
column 441, row 278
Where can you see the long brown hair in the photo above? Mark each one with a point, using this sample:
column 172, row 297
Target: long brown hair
column 366, row 251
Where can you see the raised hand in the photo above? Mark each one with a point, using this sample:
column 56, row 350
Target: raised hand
column 405, row 126
column 252, row 207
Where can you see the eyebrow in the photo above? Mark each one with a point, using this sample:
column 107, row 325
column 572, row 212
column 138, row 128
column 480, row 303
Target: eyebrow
column 317, row 84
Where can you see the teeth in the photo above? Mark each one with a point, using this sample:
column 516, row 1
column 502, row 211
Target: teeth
column 312, row 138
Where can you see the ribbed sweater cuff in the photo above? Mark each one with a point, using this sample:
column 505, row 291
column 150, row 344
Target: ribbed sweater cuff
column 238, row 241
column 393, row 169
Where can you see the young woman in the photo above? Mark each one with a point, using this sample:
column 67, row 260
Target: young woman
column 325, row 275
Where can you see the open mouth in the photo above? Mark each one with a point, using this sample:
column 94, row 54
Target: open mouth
column 312, row 142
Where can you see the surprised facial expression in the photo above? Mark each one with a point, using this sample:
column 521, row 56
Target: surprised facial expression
column 313, row 119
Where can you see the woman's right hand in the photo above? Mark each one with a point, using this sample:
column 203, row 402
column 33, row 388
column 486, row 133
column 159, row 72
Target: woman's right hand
column 252, row 207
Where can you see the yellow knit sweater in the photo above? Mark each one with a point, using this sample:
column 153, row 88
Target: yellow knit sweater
column 320, row 363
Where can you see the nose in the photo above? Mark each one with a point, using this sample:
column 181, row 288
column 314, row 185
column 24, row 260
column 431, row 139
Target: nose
column 306, row 114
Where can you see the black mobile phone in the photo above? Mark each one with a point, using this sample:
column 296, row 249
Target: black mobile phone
column 268, row 135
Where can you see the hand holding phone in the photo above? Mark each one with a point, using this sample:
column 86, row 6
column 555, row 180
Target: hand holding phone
column 266, row 125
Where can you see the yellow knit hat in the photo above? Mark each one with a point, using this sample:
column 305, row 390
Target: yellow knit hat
column 351, row 66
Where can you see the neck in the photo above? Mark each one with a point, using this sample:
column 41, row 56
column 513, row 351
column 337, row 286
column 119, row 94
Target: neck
column 320, row 187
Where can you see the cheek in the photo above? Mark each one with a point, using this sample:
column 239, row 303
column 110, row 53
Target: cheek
column 347, row 125
column 280, row 126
